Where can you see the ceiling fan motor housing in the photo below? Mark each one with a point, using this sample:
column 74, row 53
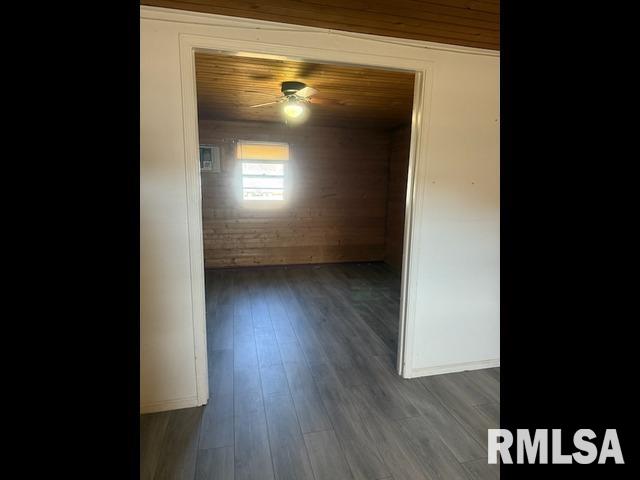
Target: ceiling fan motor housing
column 289, row 88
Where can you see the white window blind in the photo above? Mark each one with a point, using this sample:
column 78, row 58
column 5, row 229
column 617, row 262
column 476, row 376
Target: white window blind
column 263, row 170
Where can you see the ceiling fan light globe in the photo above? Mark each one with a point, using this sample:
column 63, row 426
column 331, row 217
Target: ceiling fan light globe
column 293, row 110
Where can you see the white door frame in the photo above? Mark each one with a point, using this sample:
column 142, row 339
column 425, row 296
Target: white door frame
column 292, row 49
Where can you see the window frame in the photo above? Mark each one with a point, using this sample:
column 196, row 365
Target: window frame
column 262, row 162
column 256, row 201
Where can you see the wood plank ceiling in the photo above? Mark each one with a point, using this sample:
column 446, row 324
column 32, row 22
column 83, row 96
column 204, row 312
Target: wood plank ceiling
column 347, row 95
column 473, row 23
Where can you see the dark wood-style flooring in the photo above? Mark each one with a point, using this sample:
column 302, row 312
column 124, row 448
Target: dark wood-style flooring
column 303, row 387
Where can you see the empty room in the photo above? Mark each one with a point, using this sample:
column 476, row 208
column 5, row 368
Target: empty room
column 324, row 188
column 319, row 252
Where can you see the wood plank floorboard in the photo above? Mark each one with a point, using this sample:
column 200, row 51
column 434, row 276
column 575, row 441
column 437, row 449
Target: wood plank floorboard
column 357, row 443
column 152, row 430
column 288, row 450
column 439, row 419
column 492, row 412
column 327, row 459
column 215, row 463
column 437, row 460
column 179, row 449
column 217, row 423
column 303, row 385
column 220, row 364
column 460, row 397
column 481, row 470
column 494, row 372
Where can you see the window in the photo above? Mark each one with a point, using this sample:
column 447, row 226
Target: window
column 263, row 168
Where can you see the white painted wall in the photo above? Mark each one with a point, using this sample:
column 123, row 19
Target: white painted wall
column 167, row 372
column 457, row 312
column 455, row 260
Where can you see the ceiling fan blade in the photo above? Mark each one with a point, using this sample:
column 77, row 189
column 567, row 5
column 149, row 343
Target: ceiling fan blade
column 264, row 104
column 257, row 92
column 325, row 101
column 306, row 92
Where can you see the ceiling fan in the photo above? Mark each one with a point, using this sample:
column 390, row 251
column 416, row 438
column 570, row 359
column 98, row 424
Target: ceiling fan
column 294, row 96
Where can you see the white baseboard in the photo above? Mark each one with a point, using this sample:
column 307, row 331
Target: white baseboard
column 452, row 368
column 175, row 404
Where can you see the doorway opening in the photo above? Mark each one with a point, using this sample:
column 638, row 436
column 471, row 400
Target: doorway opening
column 303, row 220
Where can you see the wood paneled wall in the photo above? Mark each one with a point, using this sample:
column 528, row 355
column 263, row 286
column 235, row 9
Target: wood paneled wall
column 338, row 189
column 396, row 195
